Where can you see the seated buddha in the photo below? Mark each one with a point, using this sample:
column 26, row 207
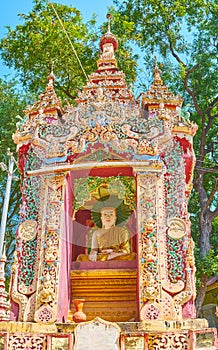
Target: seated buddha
column 110, row 242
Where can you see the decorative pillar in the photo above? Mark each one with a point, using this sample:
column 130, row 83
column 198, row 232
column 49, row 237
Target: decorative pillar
column 48, row 276
column 4, row 305
column 149, row 209
column 165, row 249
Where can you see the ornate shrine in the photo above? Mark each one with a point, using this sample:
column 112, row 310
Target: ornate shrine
column 110, row 147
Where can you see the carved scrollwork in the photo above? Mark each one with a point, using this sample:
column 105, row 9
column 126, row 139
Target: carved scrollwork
column 176, row 341
column 35, row 342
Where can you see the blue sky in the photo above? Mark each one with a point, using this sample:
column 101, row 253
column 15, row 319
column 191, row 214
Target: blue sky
column 9, row 10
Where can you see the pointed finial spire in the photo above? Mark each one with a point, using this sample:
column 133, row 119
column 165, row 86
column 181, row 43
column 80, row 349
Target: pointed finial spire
column 51, row 76
column 155, row 61
column 109, row 38
column 109, row 17
column 157, row 73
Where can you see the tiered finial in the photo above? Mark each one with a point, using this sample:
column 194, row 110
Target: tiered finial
column 158, row 94
column 48, row 100
column 106, row 79
column 51, row 77
column 108, row 37
column 109, row 17
column 157, row 73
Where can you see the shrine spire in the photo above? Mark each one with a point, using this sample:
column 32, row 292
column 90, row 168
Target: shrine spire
column 158, row 94
column 107, row 77
column 108, row 47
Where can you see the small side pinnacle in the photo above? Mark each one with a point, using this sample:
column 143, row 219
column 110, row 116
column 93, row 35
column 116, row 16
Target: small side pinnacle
column 157, row 72
column 51, row 77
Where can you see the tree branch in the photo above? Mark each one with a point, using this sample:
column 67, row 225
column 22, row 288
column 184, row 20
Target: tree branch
column 206, row 170
column 211, row 197
column 206, row 128
column 211, row 105
column 213, row 214
column 210, row 122
column 61, row 88
column 176, row 56
column 190, row 92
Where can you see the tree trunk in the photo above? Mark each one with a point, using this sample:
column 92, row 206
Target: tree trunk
column 201, row 294
column 205, row 231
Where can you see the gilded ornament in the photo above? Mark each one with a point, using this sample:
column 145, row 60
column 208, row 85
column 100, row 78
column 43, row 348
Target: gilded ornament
column 134, row 343
column 177, row 228
column 150, row 285
column 46, row 295
column 27, row 230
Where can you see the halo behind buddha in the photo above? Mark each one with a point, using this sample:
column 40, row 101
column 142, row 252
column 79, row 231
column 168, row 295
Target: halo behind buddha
column 122, row 210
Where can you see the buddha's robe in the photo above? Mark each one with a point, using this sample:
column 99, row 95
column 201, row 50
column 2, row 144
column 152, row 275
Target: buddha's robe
column 116, row 239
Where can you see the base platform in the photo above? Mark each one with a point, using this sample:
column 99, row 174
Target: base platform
column 99, row 334
column 109, row 293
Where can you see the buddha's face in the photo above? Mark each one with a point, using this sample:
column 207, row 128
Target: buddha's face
column 108, row 217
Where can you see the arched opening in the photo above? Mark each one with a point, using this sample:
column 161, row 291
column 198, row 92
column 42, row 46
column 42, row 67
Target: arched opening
column 107, row 279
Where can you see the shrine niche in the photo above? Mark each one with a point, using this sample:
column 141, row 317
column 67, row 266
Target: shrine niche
column 104, row 215
column 104, row 244
column 93, row 195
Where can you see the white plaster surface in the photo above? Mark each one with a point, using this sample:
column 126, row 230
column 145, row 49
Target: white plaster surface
column 97, row 335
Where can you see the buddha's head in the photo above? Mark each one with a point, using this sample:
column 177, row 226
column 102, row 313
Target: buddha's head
column 108, row 217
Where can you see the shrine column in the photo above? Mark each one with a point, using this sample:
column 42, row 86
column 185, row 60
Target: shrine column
column 150, row 217
column 43, row 252
column 52, row 214
column 160, row 298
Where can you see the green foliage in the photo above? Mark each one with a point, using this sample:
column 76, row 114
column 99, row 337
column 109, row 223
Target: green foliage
column 11, row 106
column 40, row 43
column 187, row 29
column 205, row 265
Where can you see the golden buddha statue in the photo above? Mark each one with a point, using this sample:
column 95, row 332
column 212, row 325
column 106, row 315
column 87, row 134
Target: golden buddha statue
column 110, row 242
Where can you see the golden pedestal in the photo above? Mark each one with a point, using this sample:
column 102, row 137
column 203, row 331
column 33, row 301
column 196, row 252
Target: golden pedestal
column 109, row 294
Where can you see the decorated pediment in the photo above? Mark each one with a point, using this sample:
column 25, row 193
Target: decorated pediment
column 106, row 117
